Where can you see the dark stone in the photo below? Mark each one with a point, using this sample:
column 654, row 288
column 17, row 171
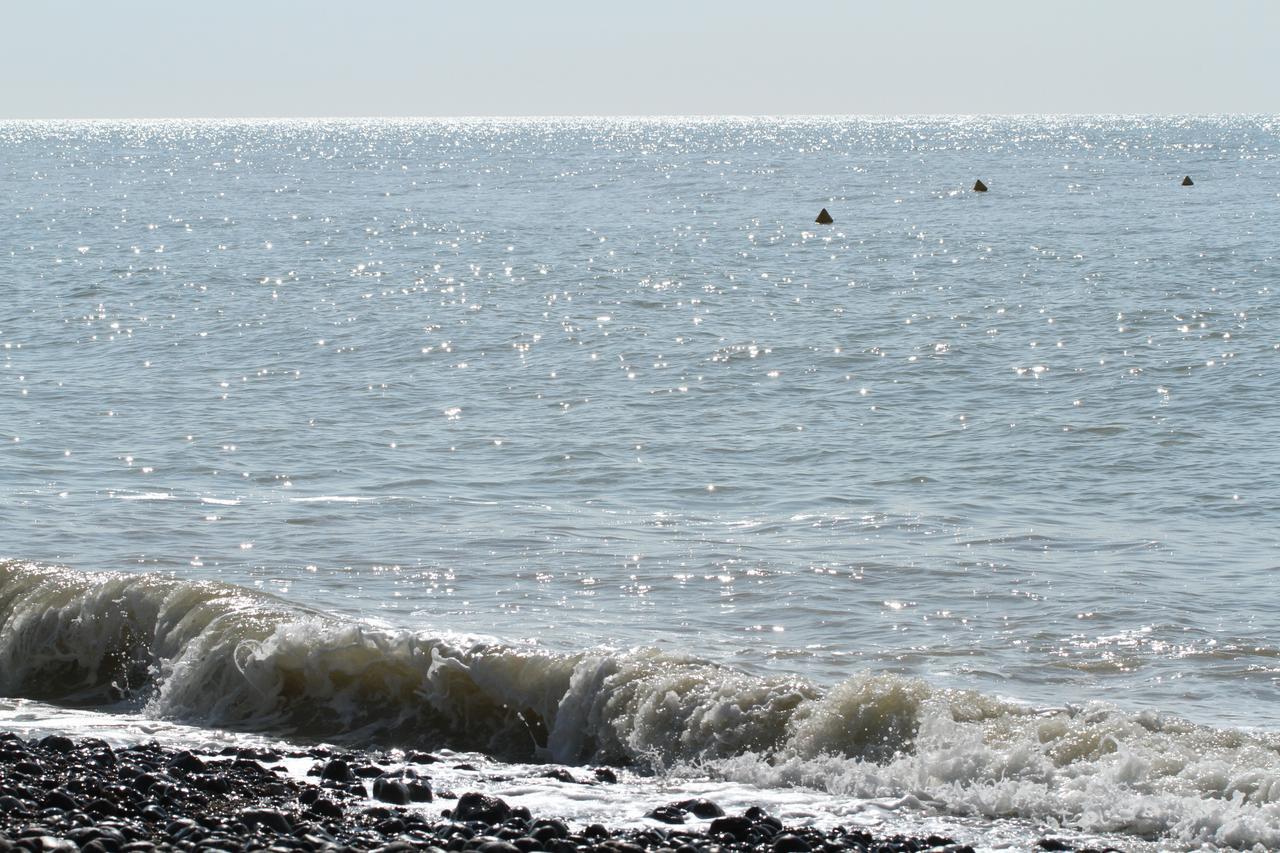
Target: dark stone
column 211, row 783
column 123, row 794
column 103, row 807
column 419, row 790
column 173, row 827
column 315, row 837
column 326, row 808
column 186, row 762
column 498, row 847
column 486, row 809
column 104, row 757
column 979, row 186
column 543, row 835
column 619, row 846
column 82, row 835
column 787, row 842
column 144, row 781
column 367, row 771
column 56, row 743
column 251, row 767
column 1053, row 843
column 824, row 218
column 544, row 830
column 59, row 799
column 736, row 827
column 420, row 758
column 1187, row 182
column 527, row 844
column 13, row 806
column 153, row 813
column 396, row 847
column 337, row 770
column 667, row 814
column 702, row 808
column 391, row 791
column 655, row 838
column 559, row 774
column 269, row 818
column 391, row 826
column 111, row 836
column 560, row 845
column 604, row 774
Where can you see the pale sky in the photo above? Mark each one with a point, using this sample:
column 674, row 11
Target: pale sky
column 192, row 58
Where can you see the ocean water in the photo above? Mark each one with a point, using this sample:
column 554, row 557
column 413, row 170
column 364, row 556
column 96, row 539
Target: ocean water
column 578, row 441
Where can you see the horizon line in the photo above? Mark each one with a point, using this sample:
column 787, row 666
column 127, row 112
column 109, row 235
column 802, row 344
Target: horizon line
column 656, row 116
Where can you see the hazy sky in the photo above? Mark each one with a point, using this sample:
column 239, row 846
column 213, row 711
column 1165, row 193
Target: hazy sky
column 143, row 58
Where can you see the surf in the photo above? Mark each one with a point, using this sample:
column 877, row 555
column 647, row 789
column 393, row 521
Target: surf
column 218, row 655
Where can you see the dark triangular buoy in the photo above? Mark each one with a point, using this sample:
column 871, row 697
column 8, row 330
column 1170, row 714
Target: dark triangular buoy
column 824, row 218
column 1187, row 182
column 979, row 187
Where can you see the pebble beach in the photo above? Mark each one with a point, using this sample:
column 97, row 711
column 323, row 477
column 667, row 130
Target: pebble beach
column 61, row 796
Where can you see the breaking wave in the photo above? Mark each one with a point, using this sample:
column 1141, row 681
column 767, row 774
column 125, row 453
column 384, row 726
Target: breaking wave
column 225, row 656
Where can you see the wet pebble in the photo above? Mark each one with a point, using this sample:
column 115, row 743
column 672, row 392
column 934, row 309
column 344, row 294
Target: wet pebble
column 787, row 842
column 667, row 814
column 701, row 808
column 337, row 770
column 481, row 807
column 391, row 791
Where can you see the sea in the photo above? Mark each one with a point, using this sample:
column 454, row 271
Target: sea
column 578, row 442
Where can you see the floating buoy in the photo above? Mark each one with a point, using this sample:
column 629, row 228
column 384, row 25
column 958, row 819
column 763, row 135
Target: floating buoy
column 824, row 218
column 979, row 187
column 1187, row 182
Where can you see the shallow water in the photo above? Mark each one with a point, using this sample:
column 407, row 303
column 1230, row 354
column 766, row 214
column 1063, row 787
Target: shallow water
column 876, row 508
